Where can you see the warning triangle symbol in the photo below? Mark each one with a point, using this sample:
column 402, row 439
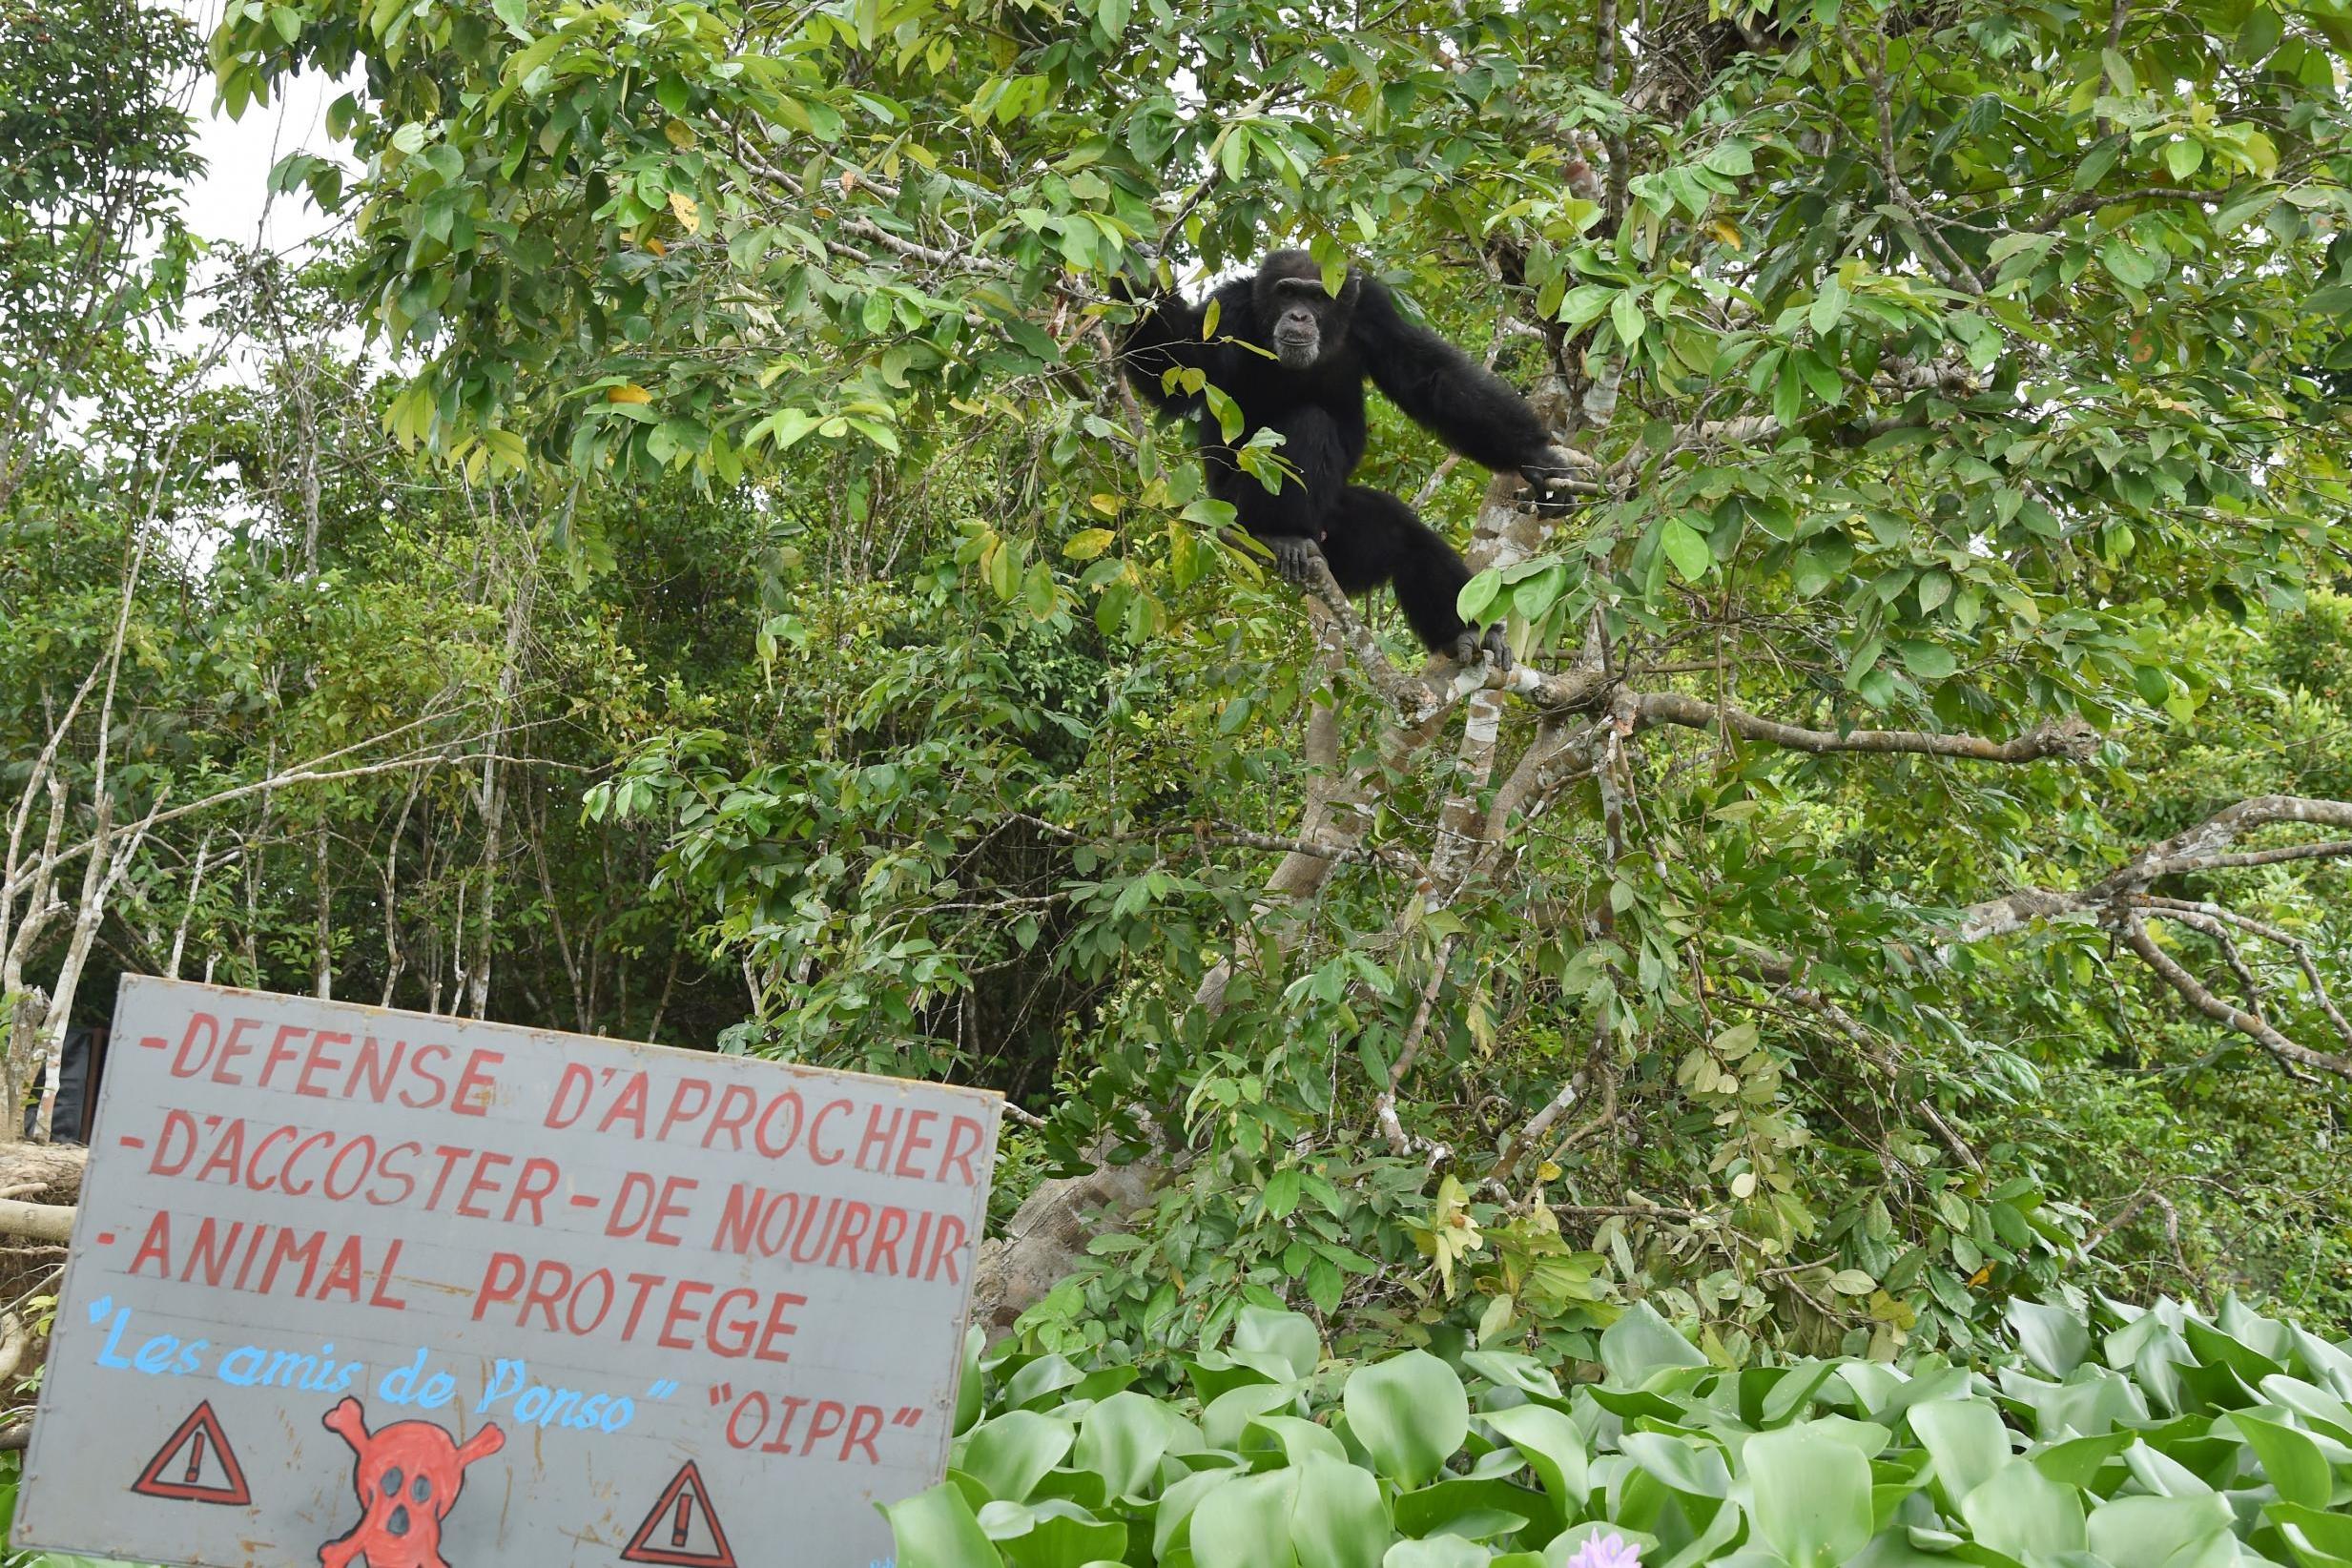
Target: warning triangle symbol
column 196, row 1464
column 682, row 1530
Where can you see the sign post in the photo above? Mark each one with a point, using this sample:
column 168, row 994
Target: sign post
column 378, row 1289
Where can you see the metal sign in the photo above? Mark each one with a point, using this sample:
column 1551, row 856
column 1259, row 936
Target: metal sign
column 378, row 1289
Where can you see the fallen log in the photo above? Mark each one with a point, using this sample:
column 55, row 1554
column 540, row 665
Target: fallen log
column 49, row 1172
column 36, row 1222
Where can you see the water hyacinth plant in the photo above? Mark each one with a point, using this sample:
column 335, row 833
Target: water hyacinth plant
column 1610, row 1551
column 2113, row 1437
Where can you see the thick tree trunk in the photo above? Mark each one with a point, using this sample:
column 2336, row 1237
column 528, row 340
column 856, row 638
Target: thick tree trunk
column 1049, row 1233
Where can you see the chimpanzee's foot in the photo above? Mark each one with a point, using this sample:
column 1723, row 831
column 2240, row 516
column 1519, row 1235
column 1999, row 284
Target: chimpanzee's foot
column 1472, row 644
column 1295, row 557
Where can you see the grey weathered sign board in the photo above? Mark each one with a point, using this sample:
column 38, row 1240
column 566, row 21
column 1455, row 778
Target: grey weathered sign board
column 378, row 1290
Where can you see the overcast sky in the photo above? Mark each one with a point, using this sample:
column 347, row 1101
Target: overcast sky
column 230, row 201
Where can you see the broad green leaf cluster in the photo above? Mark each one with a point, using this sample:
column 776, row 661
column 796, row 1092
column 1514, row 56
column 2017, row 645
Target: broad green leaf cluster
column 2124, row 1437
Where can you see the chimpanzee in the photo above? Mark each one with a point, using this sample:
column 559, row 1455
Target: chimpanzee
column 1294, row 357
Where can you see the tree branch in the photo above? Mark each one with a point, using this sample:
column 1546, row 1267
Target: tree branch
column 2073, row 739
column 2288, row 1054
column 2121, row 902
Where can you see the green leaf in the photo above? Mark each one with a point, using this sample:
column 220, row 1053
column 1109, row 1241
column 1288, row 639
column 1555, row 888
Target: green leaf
column 969, row 1390
column 1039, row 591
column 1289, row 1339
column 1584, row 304
column 1174, row 1515
column 2318, row 1539
column 1437, row 1552
column 1554, row 1448
column 1339, row 1519
column 2053, row 1338
column 1640, row 1343
column 1246, row 1524
column 1730, row 157
column 1058, row 1534
column 2318, row 1408
column 2023, row 1514
column 1967, row 1440
column 1296, row 1438
column 1682, row 1464
column 1411, row 1413
column 2078, row 1462
column 1471, row 604
column 2291, row 1461
column 1926, row 660
column 2165, row 1532
column 936, row 1529
column 1282, row 1194
column 1625, row 316
column 1009, row 1455
column 1812, row 1494
column 1510, row 1370
column 1686, row 547
column 1121, row 1439
column 1829, row 307
column 1222, row 1419
column 2127, row 264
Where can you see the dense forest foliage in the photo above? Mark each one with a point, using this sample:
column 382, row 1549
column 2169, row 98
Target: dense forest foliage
column 678, row 562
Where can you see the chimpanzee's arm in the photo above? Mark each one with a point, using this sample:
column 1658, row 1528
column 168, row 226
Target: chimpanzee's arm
column 1471, row 409
column 1166, row 336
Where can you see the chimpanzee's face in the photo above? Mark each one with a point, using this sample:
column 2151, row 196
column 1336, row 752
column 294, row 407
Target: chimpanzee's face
column 1303, row 321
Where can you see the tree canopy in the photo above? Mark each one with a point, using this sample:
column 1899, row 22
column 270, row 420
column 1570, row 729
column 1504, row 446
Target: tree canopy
column 1906, row 864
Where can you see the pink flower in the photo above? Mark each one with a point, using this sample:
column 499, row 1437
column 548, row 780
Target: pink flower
column 1609, row 1551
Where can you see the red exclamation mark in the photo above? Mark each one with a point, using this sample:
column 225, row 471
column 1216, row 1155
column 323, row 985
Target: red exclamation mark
column 196, row 1456
column 677, row 1526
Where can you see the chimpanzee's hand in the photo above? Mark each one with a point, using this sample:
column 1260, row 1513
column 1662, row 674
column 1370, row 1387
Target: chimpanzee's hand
column 1145, row 292
column 1547, row 476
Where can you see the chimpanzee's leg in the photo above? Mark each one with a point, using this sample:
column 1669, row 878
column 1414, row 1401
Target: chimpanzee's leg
column 1290, row 520
column 1371, row 538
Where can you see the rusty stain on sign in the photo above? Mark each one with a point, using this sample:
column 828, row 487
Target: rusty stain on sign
column 352, row 1286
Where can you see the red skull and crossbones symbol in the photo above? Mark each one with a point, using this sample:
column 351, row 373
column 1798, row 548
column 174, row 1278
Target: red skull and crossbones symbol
column 407, row 1477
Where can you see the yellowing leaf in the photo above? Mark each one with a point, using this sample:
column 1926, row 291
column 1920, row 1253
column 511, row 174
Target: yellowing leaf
column 688, row 214
column 631, row 393
column 681, row 136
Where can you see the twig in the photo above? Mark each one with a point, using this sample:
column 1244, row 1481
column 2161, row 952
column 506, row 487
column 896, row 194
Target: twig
column 1384, row 1109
